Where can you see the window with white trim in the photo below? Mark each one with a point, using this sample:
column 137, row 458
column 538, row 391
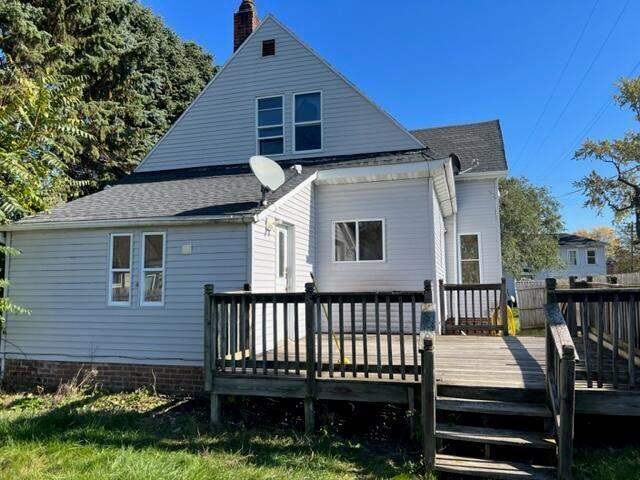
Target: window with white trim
column 573, row 257
column 120, row 253
column 307, row 122
column 470, row 258
column 591, row 257
column 153, row 263
column 359, row 241
column 270, row 125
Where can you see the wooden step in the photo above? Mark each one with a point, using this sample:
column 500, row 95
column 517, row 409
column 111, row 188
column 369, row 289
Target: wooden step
column 492, row 407
column 495, row 436
column 498, row 469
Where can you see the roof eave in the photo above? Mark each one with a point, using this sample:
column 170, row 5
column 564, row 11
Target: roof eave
column 126, row 222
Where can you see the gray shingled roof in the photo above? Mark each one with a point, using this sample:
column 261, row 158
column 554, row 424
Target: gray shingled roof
column 577, row 240
column 474, row 140
column 211, row 191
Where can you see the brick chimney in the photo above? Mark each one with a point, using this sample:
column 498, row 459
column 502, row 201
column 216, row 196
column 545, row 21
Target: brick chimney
column 245, row 20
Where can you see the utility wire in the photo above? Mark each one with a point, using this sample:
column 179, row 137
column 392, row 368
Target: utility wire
column 557, row 84
column 584, row 77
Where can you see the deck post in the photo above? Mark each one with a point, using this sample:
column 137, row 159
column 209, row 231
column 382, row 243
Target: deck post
column 309, row 400
column 567, row 412
column 428, row 400
column 208, row 291
column 551, row 284
column 443, row 307
column 503, row 307
column 210, row 353
column 428, row 389
column 572, row 316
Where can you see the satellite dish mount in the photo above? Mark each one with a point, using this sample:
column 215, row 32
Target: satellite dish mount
column 268, row 173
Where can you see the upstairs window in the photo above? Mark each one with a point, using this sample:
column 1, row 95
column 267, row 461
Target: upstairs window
column 359, row 241
column 270, row 125
column 470, row 258
column 573, row 257
column 591, row 257
column 120, row 253
column 153, row 260
column 307, row 119
column 268, row 48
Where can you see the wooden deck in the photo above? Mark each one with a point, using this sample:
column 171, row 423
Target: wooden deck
column 510, row 366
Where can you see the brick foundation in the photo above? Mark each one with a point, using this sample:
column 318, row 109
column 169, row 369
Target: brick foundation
column 28, row 374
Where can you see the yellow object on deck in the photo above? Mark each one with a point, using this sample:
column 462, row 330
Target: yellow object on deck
column 511, row 321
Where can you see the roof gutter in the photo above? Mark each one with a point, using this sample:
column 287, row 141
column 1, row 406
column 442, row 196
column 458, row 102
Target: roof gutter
column 128, row 222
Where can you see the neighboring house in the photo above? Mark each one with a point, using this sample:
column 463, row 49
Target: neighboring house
column 117, row 277
column 580, row 257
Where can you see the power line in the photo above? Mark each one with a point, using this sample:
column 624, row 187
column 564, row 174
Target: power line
column 584, row 76
column 592, row 123
column 558, row 81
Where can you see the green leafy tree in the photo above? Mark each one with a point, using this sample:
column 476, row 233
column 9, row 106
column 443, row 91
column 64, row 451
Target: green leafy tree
column 38, row 129
column 140, row 76
column 529, row 223
column 618, row 189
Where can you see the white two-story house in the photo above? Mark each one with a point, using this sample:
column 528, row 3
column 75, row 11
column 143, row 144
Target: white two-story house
column 116, row 278
column 579, row 256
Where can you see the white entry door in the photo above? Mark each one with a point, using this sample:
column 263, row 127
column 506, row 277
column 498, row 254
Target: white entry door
column 283, row 260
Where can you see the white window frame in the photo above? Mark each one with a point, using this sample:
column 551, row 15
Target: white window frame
column 258, row 127
column 143, row 270
column 480, row 263
column 111, row 271
column 595, row 256
column 302, row 124
column 569, row 257
column 357, row 222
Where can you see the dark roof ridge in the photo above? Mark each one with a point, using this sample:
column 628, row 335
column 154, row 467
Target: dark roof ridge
column 243, row 168
column 456, row 125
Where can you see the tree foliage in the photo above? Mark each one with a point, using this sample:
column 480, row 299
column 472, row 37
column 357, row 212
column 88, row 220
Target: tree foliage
column 619, row 188
column 38, row 130
column 140, row 76
column 529, row 222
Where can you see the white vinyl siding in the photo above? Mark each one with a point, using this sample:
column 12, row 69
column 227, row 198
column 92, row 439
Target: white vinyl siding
column 219, row 127
column 62, row 278
column 478, row 214
column 406, row 207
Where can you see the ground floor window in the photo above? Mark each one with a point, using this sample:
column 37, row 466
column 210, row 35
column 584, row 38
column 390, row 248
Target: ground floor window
column 591, row 257
column 153, row 268
column 120, row 253
column 470, row 258
column 359, row 241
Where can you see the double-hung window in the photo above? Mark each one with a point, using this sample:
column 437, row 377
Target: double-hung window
column 307, row 122
column 270, row 125
column 470, row 258
column 120, row 253
column 153, row 264
column 573, row 257
column 359, row 241
column 591, row 257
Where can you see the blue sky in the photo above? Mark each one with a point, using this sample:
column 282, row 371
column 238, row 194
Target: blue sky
column 434, row 63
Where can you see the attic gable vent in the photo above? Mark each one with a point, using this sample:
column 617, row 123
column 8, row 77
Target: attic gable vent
column 268, row 48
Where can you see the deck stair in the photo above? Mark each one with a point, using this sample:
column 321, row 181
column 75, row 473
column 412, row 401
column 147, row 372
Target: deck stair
column 483, row 437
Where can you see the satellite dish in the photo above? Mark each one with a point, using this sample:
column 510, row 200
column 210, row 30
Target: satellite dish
column 268, row 173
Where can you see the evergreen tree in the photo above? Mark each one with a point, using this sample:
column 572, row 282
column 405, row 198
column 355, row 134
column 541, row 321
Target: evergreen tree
column 140, row 76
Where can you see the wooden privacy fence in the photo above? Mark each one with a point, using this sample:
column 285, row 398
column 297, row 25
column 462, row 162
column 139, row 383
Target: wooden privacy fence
column 474, row 308
column 606, row 318
column 531, row 297
column 560, row 378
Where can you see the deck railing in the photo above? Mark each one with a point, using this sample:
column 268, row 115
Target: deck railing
column 606, row 316
column 474, row 308
column 560, row 379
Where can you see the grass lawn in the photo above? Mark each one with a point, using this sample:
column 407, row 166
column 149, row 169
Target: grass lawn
column 143, row 436
column 139, row 436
